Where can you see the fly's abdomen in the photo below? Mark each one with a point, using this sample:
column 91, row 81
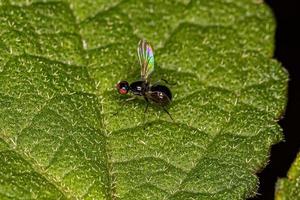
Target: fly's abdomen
column 160, row 95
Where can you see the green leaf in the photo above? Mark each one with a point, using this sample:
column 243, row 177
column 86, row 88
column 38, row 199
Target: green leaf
column 60, row 137
column 288, row 188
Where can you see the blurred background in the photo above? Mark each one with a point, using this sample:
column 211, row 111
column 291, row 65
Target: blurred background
column 287, row 51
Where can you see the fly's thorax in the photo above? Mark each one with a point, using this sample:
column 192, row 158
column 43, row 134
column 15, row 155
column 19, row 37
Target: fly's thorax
column 139, row 87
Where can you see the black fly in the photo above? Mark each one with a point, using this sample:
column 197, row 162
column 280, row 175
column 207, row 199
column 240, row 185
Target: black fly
column 158, row 94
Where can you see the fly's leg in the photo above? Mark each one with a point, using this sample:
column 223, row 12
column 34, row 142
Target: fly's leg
column 130, row 99
column 147, row 105
column 164, row 80
column 146, row 109
column 168, row 113
column 123, row 104
column 167, row 82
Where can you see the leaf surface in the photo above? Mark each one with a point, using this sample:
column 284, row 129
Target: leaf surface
column 60, row 137
column 288, row 188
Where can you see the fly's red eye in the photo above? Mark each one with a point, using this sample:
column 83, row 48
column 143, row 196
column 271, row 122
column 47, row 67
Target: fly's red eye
column 123, row 87
column 123, row 91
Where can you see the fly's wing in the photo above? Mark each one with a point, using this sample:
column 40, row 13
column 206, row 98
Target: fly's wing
column 146, row 59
